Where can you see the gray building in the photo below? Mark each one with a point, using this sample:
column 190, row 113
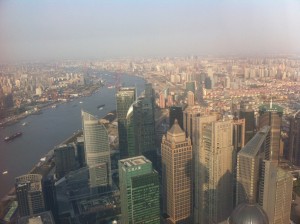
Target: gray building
column 64, row 157
column 249, row 162
column 29, row 194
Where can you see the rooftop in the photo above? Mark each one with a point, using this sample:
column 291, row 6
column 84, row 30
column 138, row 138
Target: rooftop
column 253, row 146
column 134, row 161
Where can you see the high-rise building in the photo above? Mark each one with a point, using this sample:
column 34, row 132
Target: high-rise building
column 275, row 194
column 199, row 122
column 271, row 115
column 49, row 192
column 29, row 194
column 97, row 151
column 176, row 112
column 80, row 154
column 141, row 128
column 162, row 100
column 64, row 157
column 190, row 86
column 294, row 139
column 139, row 191
column 125, row 97
column 238, row 141
column 188, row 114
column 215, row 202
column 248, row 114
column 248, row 167
column 176, row 152
column 190, row 98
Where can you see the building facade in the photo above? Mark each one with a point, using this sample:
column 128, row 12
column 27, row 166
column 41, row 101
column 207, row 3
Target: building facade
column 249, row 162
column 64, row 157
column 139, row 191
column 29, row 194
column 97, row 151
column 294, row 139
column 271, row 115
column 176, row 152
column 125, row 98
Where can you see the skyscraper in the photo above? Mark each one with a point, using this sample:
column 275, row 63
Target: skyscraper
column 64, row 157
column 271, row 115
column 248, row 166
column 190, row 86
column 162, row 100
column 200, row 171
column 216, row 174
column 97, row 151
column 176, row 112
column 29, row 194
column 294, row 139
column 188, row 114
column 125, row 97
column 139, row 191
column 141, row 128
column 248, row 114
column 275, row 194
column 190, row 98
column 177, row 175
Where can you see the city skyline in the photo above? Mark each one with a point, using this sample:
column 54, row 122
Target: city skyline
column 51, row 30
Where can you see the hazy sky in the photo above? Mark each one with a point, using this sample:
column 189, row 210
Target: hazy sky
column 61, row 29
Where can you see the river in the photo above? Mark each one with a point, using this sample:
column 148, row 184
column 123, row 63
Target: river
column 54, row 125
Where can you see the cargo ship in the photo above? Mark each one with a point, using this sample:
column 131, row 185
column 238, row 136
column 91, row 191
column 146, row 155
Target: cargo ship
column 10, row 138
column 100, row 107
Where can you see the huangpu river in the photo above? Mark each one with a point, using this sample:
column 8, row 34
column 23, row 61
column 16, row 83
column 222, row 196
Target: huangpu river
column 43, row 132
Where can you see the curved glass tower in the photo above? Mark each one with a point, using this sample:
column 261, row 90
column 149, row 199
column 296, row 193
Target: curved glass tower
column 97, row 151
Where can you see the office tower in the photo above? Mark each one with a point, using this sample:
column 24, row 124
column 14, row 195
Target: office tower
column 248, row 114
column 190, row 86
column 275, row 194
column 249, row 161
column 294, row 139
column 271, row 115
column 215, row 199
column 162, row 100
column 188, row 114
column 139, row 191
column 64, row 157
column 176, row 152
column 149, row 91
column 238, row 142
column 238, row 134
column 208, row 83
column 141, row 128
column 97, row 151
column 125, row 97
column 80, row 154
column 170, row 101
column 49, row 192
column 200, row 174
column 190, row 98
column 176, row 112
column 29, row 194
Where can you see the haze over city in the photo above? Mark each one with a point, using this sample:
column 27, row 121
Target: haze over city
column 42, row 30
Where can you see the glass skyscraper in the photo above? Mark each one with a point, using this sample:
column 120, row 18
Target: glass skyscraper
column 139, row 191
column 97, row 151
column 125, row 98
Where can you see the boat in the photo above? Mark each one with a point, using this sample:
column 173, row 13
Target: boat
column 10, row 138
column 80, row 102
column 5, row 172
column 24, row 123
column 54, row 106
column 100, row 107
